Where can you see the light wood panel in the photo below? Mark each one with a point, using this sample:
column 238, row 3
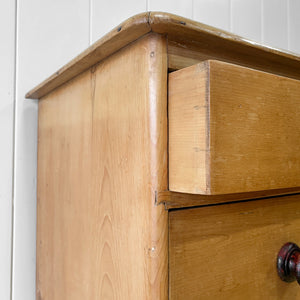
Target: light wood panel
column 41, row 27
column 189, row 161
column 185, row 34
column 173, row 200
column 230, row 251
column 232, row 130
column 207, row 40
column 183, row 54
column 102, row 155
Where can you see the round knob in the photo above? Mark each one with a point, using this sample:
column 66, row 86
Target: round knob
column 288, row 263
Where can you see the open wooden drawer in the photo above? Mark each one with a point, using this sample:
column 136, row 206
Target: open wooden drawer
column 232, row 130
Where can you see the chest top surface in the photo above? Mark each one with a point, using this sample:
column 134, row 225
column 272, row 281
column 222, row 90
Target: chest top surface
column 188, row 42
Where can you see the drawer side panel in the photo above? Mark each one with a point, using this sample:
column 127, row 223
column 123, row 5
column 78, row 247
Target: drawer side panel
column 188, row 131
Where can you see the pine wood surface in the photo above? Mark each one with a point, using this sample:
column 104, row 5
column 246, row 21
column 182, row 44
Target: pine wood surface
column 173, row 200
column 189, row 43
column 230, row 251
column 102, row 228
column 102, row 154
column 232, row 130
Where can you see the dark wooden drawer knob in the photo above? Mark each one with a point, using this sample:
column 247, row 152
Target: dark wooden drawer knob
column 288, row 263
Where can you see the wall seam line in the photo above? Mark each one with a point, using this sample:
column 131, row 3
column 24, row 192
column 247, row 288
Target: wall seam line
column 14, row 149
column 288, row 25
column 90, row 22
column 230, row 16
column 262, row 13
column 193, row 10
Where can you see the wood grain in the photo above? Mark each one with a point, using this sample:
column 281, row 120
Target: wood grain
column 232, row 130
column 229, row 251
column 173, row 200
column 102, row 154
column 189, row 40
column 189, row 43
column 189, row 161
column 186, row 53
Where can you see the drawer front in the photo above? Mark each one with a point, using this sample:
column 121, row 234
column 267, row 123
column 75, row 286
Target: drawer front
column 232, row 130
column 230, row 251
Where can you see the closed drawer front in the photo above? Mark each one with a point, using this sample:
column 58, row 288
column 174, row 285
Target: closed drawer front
column 232, row 130
column 230, row 251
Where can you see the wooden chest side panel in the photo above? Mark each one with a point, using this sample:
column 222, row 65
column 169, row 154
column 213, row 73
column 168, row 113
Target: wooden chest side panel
column 229, row 251
column 102, row 154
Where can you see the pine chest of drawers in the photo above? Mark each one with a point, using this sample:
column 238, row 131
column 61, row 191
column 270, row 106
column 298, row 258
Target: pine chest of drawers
column 169, row 167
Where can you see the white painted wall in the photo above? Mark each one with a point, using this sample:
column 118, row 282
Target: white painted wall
column 49, row 33
column 38, row 37
column 7, row 75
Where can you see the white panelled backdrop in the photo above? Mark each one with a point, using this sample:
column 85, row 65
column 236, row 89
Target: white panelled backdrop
column 38, row 37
